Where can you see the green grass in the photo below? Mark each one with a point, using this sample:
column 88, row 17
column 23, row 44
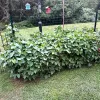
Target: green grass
column 75, row 84
column 49, row 29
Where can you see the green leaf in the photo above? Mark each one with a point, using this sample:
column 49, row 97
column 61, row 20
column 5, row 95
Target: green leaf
column 18, row 75
column 11, row 55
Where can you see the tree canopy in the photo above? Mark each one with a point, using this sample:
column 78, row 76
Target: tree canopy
column 72, row 8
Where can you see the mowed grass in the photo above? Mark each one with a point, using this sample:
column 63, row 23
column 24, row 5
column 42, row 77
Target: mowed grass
column 25, row 33
column 49, row 29
column 74, row 84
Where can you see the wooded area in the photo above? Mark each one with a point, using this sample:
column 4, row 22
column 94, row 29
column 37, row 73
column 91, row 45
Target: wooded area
column 73, row 10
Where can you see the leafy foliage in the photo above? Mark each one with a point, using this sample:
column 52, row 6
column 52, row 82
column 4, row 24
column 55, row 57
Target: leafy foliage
column 23, row 24
column 72, row 9
column 88, row 15
column 43, row 56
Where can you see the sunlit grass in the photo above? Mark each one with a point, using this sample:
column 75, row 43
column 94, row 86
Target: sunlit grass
column 49, row 29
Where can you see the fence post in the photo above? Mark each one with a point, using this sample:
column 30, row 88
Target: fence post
column 11, row 18
column 63, row 13
column 39, row 12
column 96, row 17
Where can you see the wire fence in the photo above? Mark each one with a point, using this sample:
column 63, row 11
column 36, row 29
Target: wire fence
column 53, row 13
column 73, row 12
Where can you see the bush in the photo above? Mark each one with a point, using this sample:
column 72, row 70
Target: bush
column 2, row 26
column 24, row 24
column 43, row 56
column 88, row 15
column 72, row 12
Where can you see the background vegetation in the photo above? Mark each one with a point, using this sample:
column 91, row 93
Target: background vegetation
column 75, row 11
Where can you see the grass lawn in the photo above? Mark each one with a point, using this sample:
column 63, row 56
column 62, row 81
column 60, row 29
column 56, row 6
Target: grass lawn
column 49, row 29
column 74, row 84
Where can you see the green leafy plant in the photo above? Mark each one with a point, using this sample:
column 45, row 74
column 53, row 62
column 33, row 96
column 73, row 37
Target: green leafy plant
column 24, row 24
column 44, row 56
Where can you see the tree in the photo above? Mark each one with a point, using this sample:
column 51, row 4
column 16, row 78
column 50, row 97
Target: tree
column 72, row 8
column 4, row 8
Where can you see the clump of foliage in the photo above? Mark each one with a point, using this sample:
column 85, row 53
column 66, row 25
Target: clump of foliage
column 88, row 15
column 2, row 26
column 24, row 24
column 46, row 55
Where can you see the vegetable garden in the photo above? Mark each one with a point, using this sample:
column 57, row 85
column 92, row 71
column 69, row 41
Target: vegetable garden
column 42, row 56
column 32, row 53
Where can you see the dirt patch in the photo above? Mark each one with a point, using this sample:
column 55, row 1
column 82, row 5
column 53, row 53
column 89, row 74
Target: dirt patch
column 16, row 94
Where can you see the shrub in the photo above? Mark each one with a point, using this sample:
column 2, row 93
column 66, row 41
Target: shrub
column 43, row 56
column 88, row 15
column 24, row 24
column 2, row 26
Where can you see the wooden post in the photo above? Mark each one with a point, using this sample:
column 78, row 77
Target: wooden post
column 63, row 13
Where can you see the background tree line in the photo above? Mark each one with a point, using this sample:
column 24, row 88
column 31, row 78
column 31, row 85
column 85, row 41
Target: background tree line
column 75, row 11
